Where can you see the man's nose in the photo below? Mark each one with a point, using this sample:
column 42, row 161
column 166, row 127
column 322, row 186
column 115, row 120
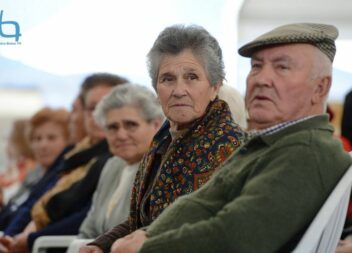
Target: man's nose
column 264, row 77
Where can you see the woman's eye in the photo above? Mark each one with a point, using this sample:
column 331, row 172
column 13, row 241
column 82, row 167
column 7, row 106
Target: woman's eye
column 51, row 137
column 283, row 67
column 169, row 79
column 166, row 79
column 131, row 125
column 37, row 139
column 192, row 77
column 112, row 127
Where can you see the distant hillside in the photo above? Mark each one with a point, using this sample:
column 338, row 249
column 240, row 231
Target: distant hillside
column 56, row 90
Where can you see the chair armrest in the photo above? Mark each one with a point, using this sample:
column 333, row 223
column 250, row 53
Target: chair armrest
column 55, row 241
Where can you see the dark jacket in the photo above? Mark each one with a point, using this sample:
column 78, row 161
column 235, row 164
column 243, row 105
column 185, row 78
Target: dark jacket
column 15, row 219
column 68, row 209
column 65, row 165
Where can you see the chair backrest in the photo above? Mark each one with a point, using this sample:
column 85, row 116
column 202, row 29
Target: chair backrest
column 323, row 234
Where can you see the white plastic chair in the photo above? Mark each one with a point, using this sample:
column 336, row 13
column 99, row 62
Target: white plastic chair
column 72, row 243
column 323, row 234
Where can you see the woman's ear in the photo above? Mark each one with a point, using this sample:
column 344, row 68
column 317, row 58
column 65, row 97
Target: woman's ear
column 157, row 123
column 215, row 91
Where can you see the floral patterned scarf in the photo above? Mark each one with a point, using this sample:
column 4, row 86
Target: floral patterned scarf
column 175, row 167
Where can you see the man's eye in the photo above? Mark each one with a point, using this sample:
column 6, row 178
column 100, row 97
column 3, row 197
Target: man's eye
column 255, row 65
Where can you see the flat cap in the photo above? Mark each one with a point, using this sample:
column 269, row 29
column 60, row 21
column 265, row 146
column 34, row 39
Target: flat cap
column 320, row 35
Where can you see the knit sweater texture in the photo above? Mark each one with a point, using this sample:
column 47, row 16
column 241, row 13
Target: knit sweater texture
column 261, row 200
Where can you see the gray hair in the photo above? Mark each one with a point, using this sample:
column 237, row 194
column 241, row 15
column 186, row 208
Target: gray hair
column 322, row 65
column 174, row 39
column 143, row 99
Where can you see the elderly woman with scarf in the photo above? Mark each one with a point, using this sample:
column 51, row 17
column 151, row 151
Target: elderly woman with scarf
column 187, row 71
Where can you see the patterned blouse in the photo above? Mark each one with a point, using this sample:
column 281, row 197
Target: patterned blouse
column 177, row 166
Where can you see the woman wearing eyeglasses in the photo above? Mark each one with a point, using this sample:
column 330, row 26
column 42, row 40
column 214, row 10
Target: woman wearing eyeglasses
column 130, row 116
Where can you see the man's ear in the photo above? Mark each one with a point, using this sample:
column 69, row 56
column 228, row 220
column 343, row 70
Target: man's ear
column 321, row 89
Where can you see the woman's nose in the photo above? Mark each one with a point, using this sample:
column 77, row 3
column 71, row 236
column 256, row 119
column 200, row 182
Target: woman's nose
column 121, row 133
column 180, row 88
column 43, row 143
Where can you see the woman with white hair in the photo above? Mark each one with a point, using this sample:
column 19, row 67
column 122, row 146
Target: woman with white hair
column 130, row 116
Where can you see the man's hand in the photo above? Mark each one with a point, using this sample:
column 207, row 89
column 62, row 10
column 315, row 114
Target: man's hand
column 344, row 246
column 130, row 243
column 90, row 249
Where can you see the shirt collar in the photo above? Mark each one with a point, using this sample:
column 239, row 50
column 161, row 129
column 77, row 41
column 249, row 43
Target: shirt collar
column 275, row 128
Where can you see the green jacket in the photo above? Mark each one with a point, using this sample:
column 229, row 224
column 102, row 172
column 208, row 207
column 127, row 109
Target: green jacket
column 263, row 198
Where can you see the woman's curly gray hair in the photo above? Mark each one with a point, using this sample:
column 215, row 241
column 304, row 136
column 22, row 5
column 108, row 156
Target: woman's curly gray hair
column 174, row 39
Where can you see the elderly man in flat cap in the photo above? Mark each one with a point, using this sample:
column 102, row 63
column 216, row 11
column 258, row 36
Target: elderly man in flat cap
column 265, row 195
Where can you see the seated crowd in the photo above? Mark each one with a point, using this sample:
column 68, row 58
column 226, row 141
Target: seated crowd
column 187, row 165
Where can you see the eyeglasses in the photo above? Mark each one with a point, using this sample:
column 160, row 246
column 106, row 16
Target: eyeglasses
column 129, row 126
